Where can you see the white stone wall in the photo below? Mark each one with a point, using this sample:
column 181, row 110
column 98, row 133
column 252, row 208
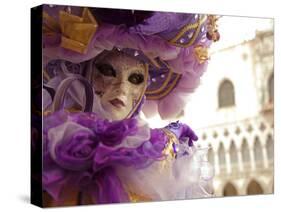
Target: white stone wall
column 248, row 66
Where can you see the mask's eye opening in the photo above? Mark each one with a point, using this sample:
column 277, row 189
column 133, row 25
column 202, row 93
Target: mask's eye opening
column 136, row 78
column 106, row 70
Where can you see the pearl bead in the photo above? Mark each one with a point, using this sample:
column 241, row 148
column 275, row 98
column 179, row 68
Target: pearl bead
column 182, row 40
column 190, row 35
column 136, row 53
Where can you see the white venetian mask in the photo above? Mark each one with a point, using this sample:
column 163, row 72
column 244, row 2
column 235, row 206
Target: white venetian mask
column 119, row 82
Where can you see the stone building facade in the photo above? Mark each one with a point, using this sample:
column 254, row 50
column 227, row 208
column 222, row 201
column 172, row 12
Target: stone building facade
column 235, row 103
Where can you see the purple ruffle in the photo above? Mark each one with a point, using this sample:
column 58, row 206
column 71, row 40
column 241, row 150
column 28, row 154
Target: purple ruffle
column 81, row 150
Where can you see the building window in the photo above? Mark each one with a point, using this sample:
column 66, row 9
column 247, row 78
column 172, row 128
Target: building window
column 270, row 148
column 222, row 158
column 226, row 94
column 245, row 153
column 258, row 152
column 233, row 154
column 211, row 156
column 271, row 88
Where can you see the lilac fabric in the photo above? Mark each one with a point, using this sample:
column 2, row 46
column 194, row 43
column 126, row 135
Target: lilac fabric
column 82, row 151
column 149, row 35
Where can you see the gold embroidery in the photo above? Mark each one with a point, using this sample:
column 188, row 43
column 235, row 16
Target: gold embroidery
column 196, row 25
column 201, row 53
column 169, row 149
column 138, row 197
column 163, row 85
column 167, row 91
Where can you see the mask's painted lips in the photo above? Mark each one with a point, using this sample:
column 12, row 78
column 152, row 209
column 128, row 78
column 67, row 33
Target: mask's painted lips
column 117, row 103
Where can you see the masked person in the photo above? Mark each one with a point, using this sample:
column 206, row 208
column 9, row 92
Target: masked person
column 100, row 73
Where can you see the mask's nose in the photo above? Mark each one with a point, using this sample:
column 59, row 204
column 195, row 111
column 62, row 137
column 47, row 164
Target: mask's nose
column 121, row 88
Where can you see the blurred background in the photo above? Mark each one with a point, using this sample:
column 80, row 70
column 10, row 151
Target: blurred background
column 232, row 111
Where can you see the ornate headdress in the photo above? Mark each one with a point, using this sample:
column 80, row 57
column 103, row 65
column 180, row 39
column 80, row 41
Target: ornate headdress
column 174, row 45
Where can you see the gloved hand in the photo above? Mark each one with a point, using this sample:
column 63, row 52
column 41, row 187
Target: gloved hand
column 183, row 132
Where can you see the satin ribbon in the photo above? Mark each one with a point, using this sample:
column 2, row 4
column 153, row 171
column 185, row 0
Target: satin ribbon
column 76, row 32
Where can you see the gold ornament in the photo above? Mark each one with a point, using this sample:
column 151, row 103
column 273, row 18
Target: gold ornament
column 201, row 53
column 76, row 32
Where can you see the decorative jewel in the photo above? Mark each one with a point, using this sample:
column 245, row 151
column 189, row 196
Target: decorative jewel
column 212, row 28
column 201, row 53
column 174, row 125
column 162, row 75
column 190, row 35
column 76, row 32
column 196, row 16
column 175, row 147
column 203, row 39
column 182, row 40
column 153, row 80
column 136, row 53
column 202, row 29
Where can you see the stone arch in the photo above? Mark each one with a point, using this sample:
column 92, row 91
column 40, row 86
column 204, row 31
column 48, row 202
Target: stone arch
column 229, row 190
column 254, row 187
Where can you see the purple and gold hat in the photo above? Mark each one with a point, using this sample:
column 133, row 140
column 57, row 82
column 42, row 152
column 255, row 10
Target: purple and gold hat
column 174, row 45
